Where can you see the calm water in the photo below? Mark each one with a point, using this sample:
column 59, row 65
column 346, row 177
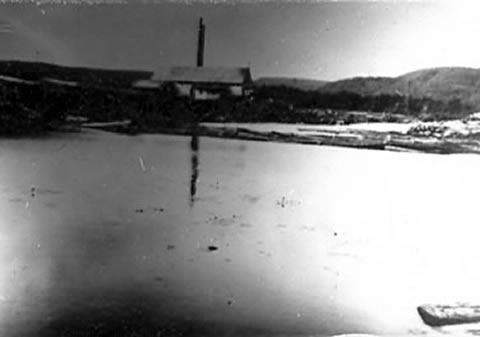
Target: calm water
column 110, row 235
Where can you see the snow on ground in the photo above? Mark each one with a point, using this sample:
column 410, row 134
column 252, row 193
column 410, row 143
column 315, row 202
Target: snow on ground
column 465, row 127
column 15, row 79
column 375, row 127
column 61, row 82
column 309, row 128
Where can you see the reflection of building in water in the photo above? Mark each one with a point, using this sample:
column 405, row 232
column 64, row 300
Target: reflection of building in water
column 202, row 83
column 194, row 144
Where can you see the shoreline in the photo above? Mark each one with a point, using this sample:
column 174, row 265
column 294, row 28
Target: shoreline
column 311, row 135
column 436, row 138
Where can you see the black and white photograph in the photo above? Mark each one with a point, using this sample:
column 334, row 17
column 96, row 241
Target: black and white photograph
column 239, row 168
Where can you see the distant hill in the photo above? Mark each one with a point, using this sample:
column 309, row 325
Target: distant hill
column 439, row 84
column 35, row 96
column 443, row 84
column 452, row 88
column 297, row 83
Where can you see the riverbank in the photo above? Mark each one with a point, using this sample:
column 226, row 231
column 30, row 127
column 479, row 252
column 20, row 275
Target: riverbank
column 348, row 137
column 404, row 137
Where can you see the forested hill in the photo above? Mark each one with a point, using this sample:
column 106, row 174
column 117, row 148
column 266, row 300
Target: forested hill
column 452, row 91
column 444, row 84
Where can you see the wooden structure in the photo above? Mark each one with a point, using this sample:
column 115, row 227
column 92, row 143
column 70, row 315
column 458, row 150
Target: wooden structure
column 200, row 82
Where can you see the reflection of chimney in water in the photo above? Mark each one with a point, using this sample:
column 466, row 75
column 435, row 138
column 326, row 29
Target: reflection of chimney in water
column 194, row 145
column 201, row 43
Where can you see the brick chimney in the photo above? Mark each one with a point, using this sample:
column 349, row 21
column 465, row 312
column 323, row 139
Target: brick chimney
column 201, row 43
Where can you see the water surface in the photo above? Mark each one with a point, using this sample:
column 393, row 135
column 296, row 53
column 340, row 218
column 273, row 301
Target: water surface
column 104, row 234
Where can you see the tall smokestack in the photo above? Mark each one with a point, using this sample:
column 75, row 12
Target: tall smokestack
column 201, row 43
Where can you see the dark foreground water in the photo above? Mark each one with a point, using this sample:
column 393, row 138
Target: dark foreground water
column 110, row 235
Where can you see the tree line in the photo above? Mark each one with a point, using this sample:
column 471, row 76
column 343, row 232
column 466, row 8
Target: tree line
column 26, row 108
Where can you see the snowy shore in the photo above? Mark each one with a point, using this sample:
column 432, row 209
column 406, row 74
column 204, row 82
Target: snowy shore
column 457, row 136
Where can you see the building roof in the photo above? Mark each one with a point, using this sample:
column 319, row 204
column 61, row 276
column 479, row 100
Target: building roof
column 222, row 75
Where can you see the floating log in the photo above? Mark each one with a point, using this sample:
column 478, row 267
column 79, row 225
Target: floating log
column 126, row 122
column 440, row 315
